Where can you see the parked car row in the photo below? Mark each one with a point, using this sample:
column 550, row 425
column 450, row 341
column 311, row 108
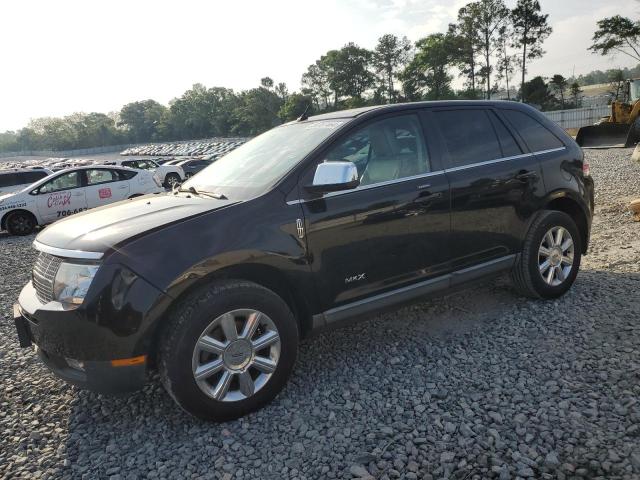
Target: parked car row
column 215, row 146
column 62, row 194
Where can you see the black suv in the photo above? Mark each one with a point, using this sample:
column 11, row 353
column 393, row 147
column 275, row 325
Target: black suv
column 314, row 222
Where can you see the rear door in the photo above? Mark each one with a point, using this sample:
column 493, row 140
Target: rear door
column 392, row 230
column 61, row 196
column 495, row 184
column 105, row 186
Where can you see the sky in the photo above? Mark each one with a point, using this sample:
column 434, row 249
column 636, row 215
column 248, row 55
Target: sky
column 66, row 56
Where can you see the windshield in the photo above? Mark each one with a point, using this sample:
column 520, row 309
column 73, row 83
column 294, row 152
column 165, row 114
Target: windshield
column 251, row 169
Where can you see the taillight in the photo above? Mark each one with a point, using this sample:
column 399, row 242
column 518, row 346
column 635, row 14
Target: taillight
column 585, row 169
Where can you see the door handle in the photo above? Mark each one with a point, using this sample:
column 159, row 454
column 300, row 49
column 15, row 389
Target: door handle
column 79, row 194
column 527, row 175
column 122, row 187
column 431, row 196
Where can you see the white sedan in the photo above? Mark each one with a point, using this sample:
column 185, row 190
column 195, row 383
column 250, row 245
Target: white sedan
column 168, row 175
column 71, row 191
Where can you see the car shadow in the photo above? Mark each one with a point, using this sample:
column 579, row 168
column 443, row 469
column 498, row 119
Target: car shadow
column 324, row 401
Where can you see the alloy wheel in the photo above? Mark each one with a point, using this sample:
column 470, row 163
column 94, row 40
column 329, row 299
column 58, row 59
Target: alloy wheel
column 236, row 355
column 555, row 256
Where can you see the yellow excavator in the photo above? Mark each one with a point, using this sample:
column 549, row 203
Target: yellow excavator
column 622, row 127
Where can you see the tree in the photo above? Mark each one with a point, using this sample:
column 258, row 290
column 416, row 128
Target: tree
column 389, row 58
column 316, row 82
column 506, row 61
column 351, row 75
column 266, row 82
column 256, row 111
column 559, row 85
column 537, row 93
column 491, row 16
column 427, row 75
column 575, row 91
column 295, row 106
column 530, row 31
column 616, row 83
column 143, row 120
column 465, row 44
column 617, row 34
column 282, row 91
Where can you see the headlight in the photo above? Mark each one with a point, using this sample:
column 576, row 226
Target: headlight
column 72, row 282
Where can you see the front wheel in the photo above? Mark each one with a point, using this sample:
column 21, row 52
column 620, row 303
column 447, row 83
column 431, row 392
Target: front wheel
column 21, row 223
column 550, row 259
column 228, row 349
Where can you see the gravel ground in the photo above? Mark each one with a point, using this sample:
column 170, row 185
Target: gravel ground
column 478, row 384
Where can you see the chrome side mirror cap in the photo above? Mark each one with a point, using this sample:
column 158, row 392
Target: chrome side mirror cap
column 334, row 177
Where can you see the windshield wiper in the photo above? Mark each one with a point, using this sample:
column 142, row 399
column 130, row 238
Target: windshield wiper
column 218, row 196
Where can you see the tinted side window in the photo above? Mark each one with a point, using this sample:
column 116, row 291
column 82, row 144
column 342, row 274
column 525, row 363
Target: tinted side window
column 8, row 180
column 388, row 149
column 130, row 164
column 468, row 136
column 507, row 142
column 31, row 177
column 536, row 136
column 126, row 175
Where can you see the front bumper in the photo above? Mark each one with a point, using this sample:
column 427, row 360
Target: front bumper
column 101, row 345
column 95, row 375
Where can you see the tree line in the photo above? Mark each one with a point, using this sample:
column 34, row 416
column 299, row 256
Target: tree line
column 489, row 46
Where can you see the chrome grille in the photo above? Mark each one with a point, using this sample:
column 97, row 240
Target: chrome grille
column 43, row 275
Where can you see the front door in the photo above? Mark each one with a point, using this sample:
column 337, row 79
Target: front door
column 393, row 229
column 61, row 196
column 495, row 184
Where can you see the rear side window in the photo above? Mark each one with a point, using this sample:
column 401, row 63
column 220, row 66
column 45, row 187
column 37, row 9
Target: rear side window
column 509, row 146
column 101, row 176
column 127, row 174
column 536, row 136
column 468, row 136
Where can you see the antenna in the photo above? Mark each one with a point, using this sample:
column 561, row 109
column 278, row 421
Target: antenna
column 304, row 115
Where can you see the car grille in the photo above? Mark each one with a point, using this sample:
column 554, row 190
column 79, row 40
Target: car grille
column 43, row 275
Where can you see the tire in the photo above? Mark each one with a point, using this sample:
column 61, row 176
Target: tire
column 21, row 223
column 526, row 274
column 171, row 179
column 181, row 356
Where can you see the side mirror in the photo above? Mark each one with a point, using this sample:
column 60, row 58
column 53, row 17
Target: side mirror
column 334, row 177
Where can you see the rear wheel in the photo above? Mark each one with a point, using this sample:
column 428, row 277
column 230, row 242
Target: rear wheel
column 21, row 223
column 171, row 180
column 550, row 260
column 228, row 350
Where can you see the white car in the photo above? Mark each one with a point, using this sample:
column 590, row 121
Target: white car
column 16, row 179
column 168, row 175
column 71, row 191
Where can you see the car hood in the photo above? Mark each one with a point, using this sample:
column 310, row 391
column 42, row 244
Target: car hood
column 103, row 228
